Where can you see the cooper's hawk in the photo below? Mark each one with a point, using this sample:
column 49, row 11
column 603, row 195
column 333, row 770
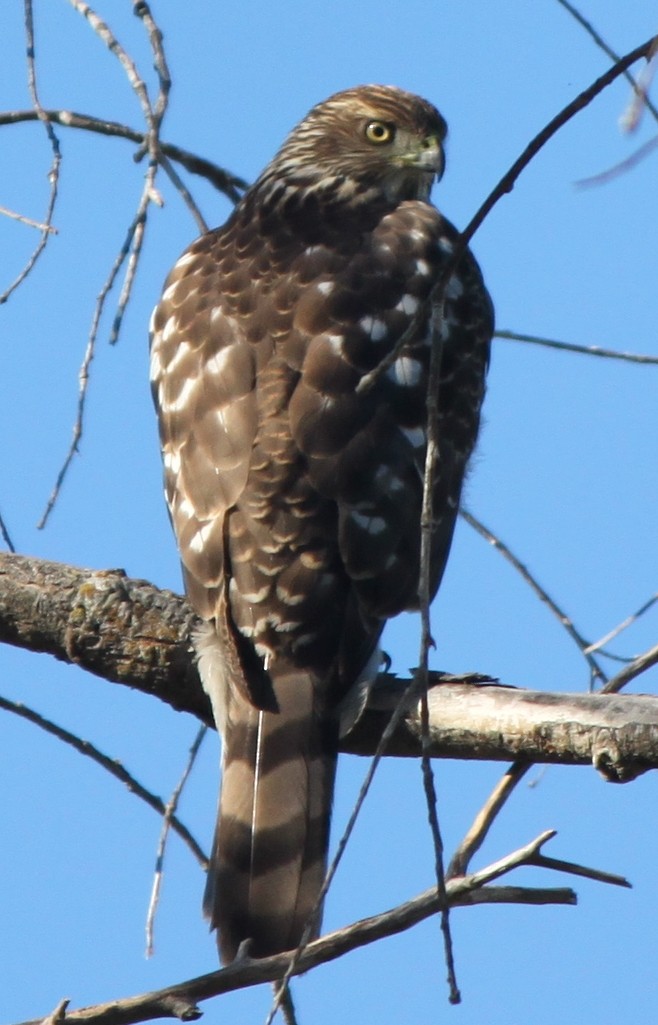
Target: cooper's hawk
column 296, row 495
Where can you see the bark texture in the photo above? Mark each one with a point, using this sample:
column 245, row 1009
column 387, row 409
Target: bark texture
column 130, row 632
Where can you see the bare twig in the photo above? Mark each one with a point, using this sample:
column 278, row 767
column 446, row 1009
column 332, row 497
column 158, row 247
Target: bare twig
column 630, row 119
column 5, row 212
column 508, row 181
column 541, row 861
column 483, row 821
column 6, row 536
column 53, row 174
column 638, row 665
column 583, row 645
column 602, row 45
column 58, row 1016
column 640, row 154
column 427, row 528
column 184, row 192
column 229, row 184
column 130, row 252
column 585, row 350
column 633, row 618
column 105, row 34
column 167, row 823
column 245, row 972
column 83, row 373
column 111, row 765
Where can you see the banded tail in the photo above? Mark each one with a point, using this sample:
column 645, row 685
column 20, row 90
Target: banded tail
column 270, row 847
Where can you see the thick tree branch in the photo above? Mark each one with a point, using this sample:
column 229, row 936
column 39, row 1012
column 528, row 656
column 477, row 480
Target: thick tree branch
column 129, row 632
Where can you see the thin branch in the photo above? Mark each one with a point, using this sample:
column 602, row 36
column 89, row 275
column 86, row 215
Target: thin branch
column 111, row 765
column 427, row 528
column 6, row 536
column 484, row 819
column 566, row 621
column 633, row 618
column 105, row 34
column 83, row 373
column 58, row 1016
column 168, row 822
column 637, row 666
column 132, row 247
column 5, row 212
column 557, row 865
column 245, row 972
column 608, row 51
column 585, row 350
column 53, row 174
column 640, row 154
column 184, row 192
column 229, row 184
column 632, row 116
column 508, row 181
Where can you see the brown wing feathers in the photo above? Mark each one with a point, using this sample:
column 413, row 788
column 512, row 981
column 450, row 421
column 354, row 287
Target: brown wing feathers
column 295, row 497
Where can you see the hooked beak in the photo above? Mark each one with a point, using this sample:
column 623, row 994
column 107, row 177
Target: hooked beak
column 427, row 156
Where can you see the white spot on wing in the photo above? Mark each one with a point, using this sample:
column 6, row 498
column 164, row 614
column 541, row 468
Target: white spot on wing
column 374, row 327
column 325, row 287
column 414, row 435
column 371, row 524
column 408, row 304
column 455, row 288
column 405, row 371
column 422, row 267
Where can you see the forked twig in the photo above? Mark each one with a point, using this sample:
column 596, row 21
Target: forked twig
column 53, row 173
column 229, row 184
column 181, row 999
column 130, row 252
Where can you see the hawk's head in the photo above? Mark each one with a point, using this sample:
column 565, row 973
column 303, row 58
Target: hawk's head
column 363, row 142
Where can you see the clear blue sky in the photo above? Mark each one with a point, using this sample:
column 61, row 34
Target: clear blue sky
column 565, row 472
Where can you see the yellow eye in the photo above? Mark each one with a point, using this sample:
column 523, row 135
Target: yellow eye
column 379, row 132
